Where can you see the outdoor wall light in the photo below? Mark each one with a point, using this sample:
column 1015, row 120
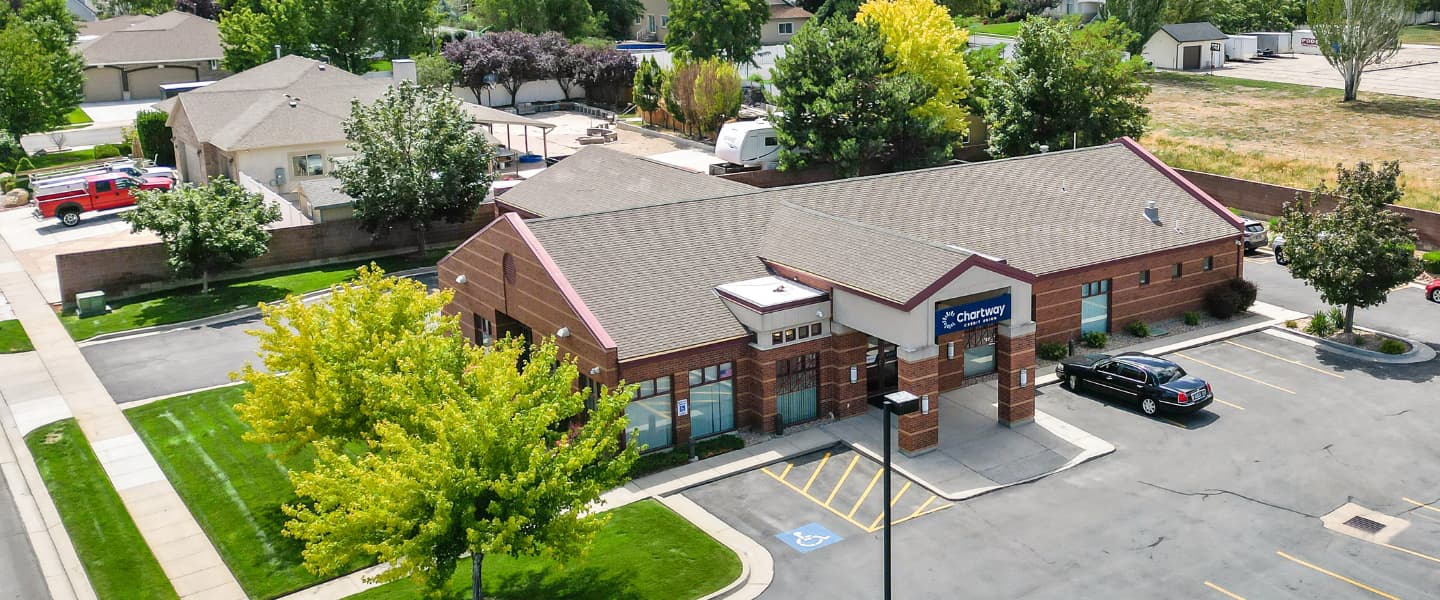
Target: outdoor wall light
column 563, row 332
column 820, row 314
column 854, row 374
column 594, row 370
column 925, row 404
column 950, row 350
column 461, row 279
column 1024, row 373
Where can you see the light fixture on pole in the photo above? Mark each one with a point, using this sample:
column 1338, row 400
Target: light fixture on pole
column 899, row 403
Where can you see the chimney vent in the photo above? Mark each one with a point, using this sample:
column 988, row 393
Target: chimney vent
column 1152, row 212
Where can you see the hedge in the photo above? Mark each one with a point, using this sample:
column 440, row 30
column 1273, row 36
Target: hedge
column 157, row 141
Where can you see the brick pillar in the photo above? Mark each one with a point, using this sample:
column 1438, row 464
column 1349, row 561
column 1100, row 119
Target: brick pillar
column 680, row 428
column 1015, row 352
column 849, row 351
column 920, row 375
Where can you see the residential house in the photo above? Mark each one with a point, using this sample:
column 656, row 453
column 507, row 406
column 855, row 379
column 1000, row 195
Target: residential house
column 785, row 20
column 280, row 122
column 1186, row 47
column 129, row 57
column 1085, row 9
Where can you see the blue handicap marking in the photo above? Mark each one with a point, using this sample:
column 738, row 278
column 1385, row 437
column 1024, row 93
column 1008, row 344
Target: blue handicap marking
column 809, row 537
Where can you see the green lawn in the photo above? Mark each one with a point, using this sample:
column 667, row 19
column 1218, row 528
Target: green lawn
column 61, row 159
column 1421, row 34
column 629, row 561
column 381, row 65
column 188, row 303
column 233, row 487
column 118, row 562
column 1000, row 29
column 13, row 338
column 78, row 117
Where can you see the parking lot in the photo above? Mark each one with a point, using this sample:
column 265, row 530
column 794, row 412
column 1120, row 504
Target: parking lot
column 1225, row 503
column 1411, row 72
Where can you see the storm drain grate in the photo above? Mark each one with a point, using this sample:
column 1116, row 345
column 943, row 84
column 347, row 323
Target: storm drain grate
column 1364, row 524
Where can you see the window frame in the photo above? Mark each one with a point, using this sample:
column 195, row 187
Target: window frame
column 1144, row 277
column 296, row 174
column 784, row 26
column 1209, row 264
column 1177, row 270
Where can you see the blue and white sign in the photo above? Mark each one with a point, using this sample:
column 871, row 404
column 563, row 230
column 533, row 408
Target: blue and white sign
column 809, row 537
column 974, row 314
column 682, row 407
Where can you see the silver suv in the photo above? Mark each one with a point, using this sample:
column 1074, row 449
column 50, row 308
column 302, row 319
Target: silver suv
column 1255, row 235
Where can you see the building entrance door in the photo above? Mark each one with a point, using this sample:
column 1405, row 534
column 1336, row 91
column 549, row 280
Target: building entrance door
column 1192, row 58
column 881, row 371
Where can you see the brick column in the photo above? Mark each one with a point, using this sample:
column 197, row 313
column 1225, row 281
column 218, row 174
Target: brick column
column 1015, row 352
column 920, row 375
column 849, row 351
column 680, row 388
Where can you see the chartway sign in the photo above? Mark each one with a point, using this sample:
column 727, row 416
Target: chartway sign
column 974, row 314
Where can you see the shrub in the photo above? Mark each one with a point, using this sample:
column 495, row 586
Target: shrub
column 1051, row 350
column 665, row 459
column 156, row 138
column 1094, row 339
column 1273, row 225
column 1320, row 326
column 1138, row 329
column 106, row 151
column 1236, row 296
column 1291, row 324
column 10, row 150
column 1337, row 317
column 1360, row 340
column 1432, row 262
column 1192, row 317
column 1392, row 346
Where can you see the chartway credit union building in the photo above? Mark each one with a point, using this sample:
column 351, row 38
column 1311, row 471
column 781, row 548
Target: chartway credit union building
column 734, row 307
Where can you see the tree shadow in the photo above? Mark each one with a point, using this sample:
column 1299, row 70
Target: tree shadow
column 179, row 307
column 586, row 583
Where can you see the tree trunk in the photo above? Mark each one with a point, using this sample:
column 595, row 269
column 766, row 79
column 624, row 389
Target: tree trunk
column 420, row 238
column 477, row 591
column 205, row 281
column 1349, row 319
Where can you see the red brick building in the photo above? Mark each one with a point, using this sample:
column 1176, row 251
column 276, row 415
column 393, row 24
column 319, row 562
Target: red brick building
column 732, row 307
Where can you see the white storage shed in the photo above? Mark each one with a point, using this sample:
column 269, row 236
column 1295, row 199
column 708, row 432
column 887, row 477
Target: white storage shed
column 1186, row 47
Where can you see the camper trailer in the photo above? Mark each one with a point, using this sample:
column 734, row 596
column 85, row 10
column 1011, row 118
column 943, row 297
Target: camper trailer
column 749, row 143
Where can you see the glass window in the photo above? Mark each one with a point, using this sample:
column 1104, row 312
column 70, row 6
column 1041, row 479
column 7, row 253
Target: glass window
column 980, row 360
column 1176, row 270
column 727, row 370
column 649, row 414
column 777, row 338
column 803, row 332
column 662, row 385
column 1145, row 277
column 789, row 335
column 696, row 377
column 815, row 329
column 102, row 186
column 772, row 141
column 712, row 405
column 484, row 331
column 647, row 388
column 787, row 28
column 308, row 165
column 1209, row 263
column 1095, row 306
column 1131, row 372
column 797, row 388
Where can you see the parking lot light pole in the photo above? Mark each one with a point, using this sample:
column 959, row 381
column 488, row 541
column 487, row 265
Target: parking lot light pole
column 898, row 403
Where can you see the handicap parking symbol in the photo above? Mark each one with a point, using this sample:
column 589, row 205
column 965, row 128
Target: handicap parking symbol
column 809, row 537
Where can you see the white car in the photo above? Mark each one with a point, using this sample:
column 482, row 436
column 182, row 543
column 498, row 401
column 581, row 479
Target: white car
column 1278, row 247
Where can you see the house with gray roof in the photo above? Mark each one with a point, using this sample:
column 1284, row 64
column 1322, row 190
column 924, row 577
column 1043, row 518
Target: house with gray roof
column 131, row 56
column 762, row 308
column 1186, row 47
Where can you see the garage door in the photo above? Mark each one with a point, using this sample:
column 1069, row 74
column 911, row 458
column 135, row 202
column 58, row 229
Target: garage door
column 146, row 84
column 102, row 85
column 1192, row 57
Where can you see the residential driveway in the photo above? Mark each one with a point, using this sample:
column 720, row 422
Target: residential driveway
column 1228, row 499
column 1407, row 313
column 37, row 242
column 1414, row 71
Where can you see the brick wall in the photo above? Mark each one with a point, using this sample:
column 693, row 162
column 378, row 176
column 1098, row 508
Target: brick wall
column 1057, row 297
column 132, row 270
column 1264, row 199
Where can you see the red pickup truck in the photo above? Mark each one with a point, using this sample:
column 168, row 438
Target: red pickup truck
column 96, row 192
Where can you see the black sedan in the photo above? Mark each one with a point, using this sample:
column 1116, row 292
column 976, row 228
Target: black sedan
column 1156, row 384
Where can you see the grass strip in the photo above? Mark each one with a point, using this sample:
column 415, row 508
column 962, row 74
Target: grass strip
column 13, row 337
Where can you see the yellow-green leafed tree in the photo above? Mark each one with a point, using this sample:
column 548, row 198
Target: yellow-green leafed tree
column 921, row 39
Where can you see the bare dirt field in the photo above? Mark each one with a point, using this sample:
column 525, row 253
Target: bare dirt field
column 1290, row 134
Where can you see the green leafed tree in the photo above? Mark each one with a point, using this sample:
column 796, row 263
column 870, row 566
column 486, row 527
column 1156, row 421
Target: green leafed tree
column 728, row 29
column 418, row 160
column 466, row 451
column 346, row 32
column 41, row 76
column 205, row 228
column 971, row 8
column 434, row 71
column 617, row 17
column 249, row 36
column 1067, row 88
column 1357, row 34
column 649, row 79
column 1143, row 17
column 716, row 96
column 1355, row 254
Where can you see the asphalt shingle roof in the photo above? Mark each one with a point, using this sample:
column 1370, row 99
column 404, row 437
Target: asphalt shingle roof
column 171, row 37
column 598, row 179
column 324, row 192
column 648, row 273
column 1193, row 32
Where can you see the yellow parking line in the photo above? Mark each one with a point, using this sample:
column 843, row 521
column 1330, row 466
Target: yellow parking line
column 1420, row 504
column 876, row 522
column 815, row 500
column 1271, row 385
column 1293, row 362
column 1217, row 588
column 917, row 514
column 788, row 466
column 866, row 493
column 843, row 477
column 1337, row 576
column 1412, row 553
column 1230, row 404
column 811, row 481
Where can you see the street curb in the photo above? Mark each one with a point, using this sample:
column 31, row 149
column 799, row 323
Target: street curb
column 757, row 566
column 1051, row 378
column 223, row 318
column 1418, row 353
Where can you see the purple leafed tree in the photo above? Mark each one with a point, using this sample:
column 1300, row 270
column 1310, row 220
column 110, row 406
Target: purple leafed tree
column 561, row 59
column 605, row 73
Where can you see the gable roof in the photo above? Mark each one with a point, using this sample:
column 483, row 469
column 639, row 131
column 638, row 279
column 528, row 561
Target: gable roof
column 782, row 10
column 171, row 37
column 1193, row 32
column 648, row 272
column 252, row 109
column 597, row 179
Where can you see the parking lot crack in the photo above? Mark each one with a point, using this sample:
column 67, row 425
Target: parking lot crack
column 1399, row 413
column 1220, row 492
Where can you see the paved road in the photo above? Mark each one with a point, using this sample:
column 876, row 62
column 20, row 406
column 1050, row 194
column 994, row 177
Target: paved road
column 20, row 576
column 75, row 137
column 1213, row 497
column 1407, row 313
column 179, row 360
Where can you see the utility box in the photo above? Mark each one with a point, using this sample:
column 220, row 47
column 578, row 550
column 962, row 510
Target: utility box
column 89, row 304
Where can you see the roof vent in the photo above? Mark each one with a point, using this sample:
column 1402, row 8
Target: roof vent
column 779, row 289
column 1152, row 212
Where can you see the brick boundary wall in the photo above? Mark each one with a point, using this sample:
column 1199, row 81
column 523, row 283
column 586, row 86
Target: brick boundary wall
column 133, row 270
column 1266, row 199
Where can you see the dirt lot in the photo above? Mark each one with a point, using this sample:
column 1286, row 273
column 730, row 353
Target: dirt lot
column 1290, row 134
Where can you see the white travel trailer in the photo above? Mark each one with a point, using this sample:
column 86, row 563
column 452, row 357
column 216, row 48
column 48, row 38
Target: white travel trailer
column 751, row 143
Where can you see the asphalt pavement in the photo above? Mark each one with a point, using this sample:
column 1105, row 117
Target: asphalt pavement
column 1407, row 313
column 20, row 575
column 92, row 136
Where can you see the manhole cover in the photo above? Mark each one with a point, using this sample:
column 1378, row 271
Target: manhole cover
column 1364, row 524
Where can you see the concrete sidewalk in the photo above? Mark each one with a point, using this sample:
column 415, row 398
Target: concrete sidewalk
column 56, row 380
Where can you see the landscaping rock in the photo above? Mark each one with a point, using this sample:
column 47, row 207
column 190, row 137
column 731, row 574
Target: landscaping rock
column 14, row 198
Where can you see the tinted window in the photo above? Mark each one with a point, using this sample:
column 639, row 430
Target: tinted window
column 1168, row 374
column 1132, row 372
column 1253, row 227
column 1112, row 368
column 102, row 186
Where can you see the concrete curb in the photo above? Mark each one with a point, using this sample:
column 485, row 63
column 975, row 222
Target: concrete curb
column 220, row 319
column 1050, row 378
column 757, row 567
column 1418, row 353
